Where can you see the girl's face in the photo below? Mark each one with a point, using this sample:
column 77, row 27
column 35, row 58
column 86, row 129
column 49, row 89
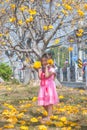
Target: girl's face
column 44, row 61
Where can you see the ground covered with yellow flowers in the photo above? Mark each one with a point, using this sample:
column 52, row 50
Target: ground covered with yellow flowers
column 19, row 110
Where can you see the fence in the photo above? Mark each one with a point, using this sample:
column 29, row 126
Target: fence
column 68, row 74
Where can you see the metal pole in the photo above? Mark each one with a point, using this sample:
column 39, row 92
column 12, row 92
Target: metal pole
column 86, row 74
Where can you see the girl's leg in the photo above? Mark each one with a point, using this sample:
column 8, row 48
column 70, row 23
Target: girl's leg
column 46, row 108
column 50, row 110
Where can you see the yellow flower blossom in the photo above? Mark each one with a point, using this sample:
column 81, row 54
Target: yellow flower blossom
column 54, row 117
column 42, row 127
column 58, row 4
column 9, row 126
column 1, row 34
column 70, row 48
column 85, row 6
column 45, row 113
column 32, row 1
column 3, row 43
column 20, row 22
column 61, row 97
column 50, row 61
column 27, row 105
column 32, row 12
column 22, row 8
column 50, row 27
column 66, row 128
column 12, row 6
column 64, row 12
column 47, row 1
column 59, row 124
column 45, row 28
column 20, row 115
column 28, row 20
column 34, row 99
column 34, row 120
column 12, row 120
column 81, row 30
column 63, row 119
column 22, row 122
column 80, row 12
column 57, row 41
column 37, row 65
column 71, row 40
column 3, row 11
column 24, row 128
column 12, row 19
column 67, row 7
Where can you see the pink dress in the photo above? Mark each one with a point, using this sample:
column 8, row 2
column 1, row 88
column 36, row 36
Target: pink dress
column 47, row 93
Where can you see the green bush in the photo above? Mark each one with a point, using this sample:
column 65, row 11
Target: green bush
column 5, row 71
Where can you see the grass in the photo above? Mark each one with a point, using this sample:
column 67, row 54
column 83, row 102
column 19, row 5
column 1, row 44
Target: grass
column 69, row 114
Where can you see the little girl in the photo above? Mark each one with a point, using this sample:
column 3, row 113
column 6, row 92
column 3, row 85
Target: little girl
column 47, row 94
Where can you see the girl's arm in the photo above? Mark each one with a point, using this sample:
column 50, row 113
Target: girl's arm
column 48, row 74
column 39, row 73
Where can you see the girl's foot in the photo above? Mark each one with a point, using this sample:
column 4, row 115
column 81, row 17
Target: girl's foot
column 45, row 119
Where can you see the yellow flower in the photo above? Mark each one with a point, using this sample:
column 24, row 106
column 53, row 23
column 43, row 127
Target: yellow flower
column 58, row 5
column 3, row 11
column 59, row 124
column 45, row 113
column 22, row 8
column 37, row 65
column 13, row 19
column 57, row 41
column 27, row 60
column 9, row 126
column 47, row 1
column 81, row 30
column 22, row 122
column 64, row 12
column 34, row 99
column 12, row 120
column 61, row 97
column 63, row 119
column 71, row 40
column 5, row 112
column 1, row 34
column 66, row 128
column 54, row 117
column 28, row 20
column 68, row 7
column 24, row 128
column 20, row 22
column 42, row 127
column 49, row 122
column 31, row 19
column 12, row 6
column 32, row 12
column 34, row 120
column 80, row 12
column 32, row 0
column 85, row 6
column 27, row 105
column 20, row 115
column 45, row 28
column 50, row 27
column 50, row 61
column 70, row 48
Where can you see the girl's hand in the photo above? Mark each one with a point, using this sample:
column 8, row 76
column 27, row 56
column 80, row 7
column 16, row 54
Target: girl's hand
column 39, row 73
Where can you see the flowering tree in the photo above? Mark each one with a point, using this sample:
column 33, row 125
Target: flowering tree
column 29, row 27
